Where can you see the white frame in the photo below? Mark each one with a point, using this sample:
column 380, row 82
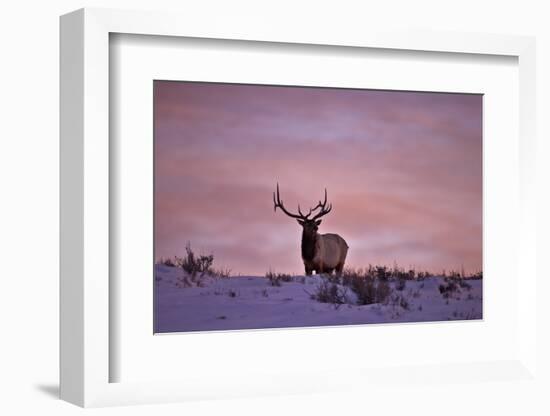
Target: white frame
column 85, row 190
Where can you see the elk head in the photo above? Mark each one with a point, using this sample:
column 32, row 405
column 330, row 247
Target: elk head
column 310, row 225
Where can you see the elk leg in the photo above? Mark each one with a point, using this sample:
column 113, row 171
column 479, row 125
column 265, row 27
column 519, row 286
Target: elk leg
column 308, row 271
column 340, row 268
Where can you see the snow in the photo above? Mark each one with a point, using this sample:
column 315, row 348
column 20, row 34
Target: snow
column 251, row 302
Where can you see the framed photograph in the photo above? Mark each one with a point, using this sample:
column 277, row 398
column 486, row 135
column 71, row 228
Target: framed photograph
column 238, row 207
column 405, row 173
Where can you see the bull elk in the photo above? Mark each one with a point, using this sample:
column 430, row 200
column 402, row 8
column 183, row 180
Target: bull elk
column 321, row 253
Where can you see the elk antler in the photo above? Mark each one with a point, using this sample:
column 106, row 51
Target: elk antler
column 324, row 209
column 279, row 204
column 323, row 205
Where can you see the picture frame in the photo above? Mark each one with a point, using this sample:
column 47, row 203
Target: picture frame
column 87, row 303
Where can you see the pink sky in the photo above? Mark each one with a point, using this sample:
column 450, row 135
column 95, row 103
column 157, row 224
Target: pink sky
column 403, row 171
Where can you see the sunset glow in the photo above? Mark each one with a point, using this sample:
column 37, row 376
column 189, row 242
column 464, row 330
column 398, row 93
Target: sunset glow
column 403, row 171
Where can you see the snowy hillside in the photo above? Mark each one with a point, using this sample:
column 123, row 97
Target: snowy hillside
column 243, row 302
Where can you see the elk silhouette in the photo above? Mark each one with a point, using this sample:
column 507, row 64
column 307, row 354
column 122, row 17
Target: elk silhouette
column 322, row 253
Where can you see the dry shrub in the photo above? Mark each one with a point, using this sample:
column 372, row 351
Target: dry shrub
column 328, row 292
column 370, row 285
column 276, row 279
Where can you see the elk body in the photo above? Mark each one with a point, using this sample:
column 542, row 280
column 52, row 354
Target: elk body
column 322, row 253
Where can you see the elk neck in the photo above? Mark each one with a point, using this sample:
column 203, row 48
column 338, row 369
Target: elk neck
column 308, row 245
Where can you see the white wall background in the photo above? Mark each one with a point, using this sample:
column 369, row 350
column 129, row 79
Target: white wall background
column 29, row 207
